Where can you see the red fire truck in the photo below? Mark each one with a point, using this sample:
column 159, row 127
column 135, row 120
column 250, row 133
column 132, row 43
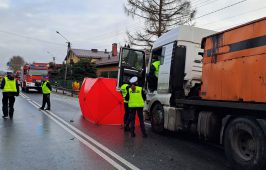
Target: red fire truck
column 32, row 75
column 17, row 76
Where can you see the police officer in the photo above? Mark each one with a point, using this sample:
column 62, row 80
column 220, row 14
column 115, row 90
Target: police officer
column 46, row 90
column 10, row 89
column 136, row 97
column 124, row 90
column 153, row 74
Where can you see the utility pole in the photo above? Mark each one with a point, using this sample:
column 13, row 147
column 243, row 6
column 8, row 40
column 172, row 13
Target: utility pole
column 52, row 55
column 68, row 49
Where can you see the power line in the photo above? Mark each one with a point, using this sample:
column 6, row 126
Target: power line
column 207, row 4
column 219, row 9
column 197, row 4
column 32, row 38
column 232, row 25
column 132, row 27
column 119, row 32
column 230, row 17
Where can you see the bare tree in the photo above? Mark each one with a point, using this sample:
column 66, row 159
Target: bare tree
column 159, row 16
column 16, row 62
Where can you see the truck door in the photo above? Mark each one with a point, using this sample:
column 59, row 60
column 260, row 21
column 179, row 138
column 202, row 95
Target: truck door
column 131, row 63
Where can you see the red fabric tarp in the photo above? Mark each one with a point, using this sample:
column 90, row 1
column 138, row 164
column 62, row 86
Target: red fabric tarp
column 100, row 102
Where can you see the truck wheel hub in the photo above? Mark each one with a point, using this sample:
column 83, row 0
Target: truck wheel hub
column 245, row 146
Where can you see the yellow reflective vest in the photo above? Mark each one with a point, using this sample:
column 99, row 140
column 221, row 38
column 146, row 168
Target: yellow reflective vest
column 45, row 89
column 124, row 91
column 10, row 85
column 156, row 64
column 135, row 98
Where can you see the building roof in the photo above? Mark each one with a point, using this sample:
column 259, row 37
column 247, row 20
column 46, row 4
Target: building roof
column 107, row 61
column 94, row 53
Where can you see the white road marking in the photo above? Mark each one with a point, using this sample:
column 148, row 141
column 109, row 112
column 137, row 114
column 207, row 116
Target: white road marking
column 25, row 96
column 104, row 156
column 22, row 95
column 104, row 148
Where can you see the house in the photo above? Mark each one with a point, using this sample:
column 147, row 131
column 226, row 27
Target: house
column 107, row 67
column 74, row 55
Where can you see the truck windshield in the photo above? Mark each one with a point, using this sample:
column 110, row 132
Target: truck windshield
column 133, row 59
column 38, row 72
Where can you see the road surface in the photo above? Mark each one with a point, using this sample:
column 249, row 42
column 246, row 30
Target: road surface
column 63, row 139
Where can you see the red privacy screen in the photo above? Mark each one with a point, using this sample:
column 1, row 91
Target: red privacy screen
column 100, row 103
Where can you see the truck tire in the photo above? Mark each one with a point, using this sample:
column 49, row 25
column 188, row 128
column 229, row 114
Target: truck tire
column 245, row 144
column 157, row 118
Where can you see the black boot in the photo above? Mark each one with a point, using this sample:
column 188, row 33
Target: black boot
column 11, row 115
column 133, row 134
column 126, row 128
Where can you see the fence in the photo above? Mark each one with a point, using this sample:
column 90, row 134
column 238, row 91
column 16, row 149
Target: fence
column 66, row 91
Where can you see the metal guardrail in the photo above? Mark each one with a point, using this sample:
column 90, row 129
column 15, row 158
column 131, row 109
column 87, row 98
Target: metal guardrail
column 71, row 92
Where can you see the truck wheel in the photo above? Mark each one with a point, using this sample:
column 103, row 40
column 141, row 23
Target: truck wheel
column 245, row 144
column 157, row 118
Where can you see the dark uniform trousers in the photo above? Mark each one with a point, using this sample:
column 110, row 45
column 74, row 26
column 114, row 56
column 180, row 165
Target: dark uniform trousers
column 46, row 99
column 133, row 112
column 126, row 115
column 8, row 104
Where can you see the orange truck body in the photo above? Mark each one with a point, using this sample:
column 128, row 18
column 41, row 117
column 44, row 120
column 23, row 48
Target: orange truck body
column 234, row 64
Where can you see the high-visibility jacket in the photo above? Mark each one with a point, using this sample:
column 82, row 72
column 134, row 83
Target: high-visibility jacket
column 45, row 89
column 156, row 65
column 10, row 85
column 124, row 91
column 135, row 98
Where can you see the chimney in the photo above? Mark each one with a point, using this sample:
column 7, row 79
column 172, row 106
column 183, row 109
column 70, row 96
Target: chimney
column 114, row 49
column 94, row 50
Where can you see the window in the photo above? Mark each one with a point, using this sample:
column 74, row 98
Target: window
column 38, row 72
column 133, row 59
column 158, row 54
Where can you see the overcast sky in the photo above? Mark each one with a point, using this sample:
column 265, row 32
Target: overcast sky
column 28, row 27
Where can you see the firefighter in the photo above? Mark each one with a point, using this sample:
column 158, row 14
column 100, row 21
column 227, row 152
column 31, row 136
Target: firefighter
column 136, row 98
column 10, row 88
column 46, row 91
column 153, row 74
column 124, row 89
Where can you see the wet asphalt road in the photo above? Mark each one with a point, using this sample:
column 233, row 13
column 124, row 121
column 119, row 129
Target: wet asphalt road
column 36, row 140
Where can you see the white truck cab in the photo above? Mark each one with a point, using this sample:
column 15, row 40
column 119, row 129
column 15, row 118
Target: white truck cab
column 181, row 64
column 179, row 70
